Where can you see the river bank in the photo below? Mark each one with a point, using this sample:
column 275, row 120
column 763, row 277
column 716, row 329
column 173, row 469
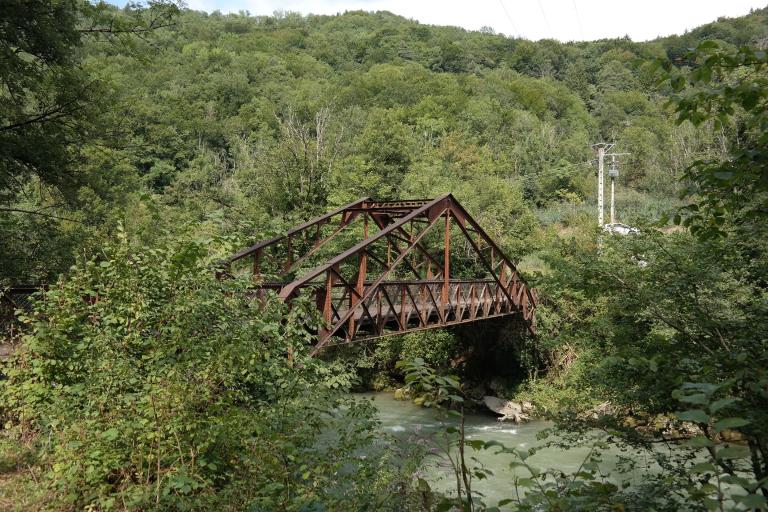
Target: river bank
column 413, row 423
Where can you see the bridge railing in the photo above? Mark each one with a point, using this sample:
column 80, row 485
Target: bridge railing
column 407, row 305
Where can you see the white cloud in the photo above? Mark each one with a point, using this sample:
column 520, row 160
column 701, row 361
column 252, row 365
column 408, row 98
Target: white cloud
column 534, row 19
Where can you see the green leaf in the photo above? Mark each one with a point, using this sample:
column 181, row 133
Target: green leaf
column 699, row 442
column 694, row 415
column 735, row 480
column 525, row 482
column 755, row 501
column 111, row 434
column 732, row 452
column 723, row 402
column 723, row 175
column 698, row 399
column 476, row 444
column 702, row 467
column 704, row 387
column 727, row 423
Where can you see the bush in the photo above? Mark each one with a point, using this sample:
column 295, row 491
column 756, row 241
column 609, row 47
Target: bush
column 146, row 383
column 436, row 348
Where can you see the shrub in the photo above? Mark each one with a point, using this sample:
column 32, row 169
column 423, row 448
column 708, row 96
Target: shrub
column 147, row 383
column 435, row 347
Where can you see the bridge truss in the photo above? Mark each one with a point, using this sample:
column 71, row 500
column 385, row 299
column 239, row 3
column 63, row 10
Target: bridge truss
column 409, row 265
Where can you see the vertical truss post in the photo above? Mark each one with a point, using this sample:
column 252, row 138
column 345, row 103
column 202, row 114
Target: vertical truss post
column 403, row 318
column 423, row 313
column 330, row 278
column 414, row 263
column 446, row 264
column 473, row 301
column 362, row 270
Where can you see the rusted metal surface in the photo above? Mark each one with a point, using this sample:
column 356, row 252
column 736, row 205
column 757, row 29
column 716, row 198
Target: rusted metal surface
column 391, row 281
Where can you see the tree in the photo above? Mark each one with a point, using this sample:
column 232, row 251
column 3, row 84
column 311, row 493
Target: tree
column 726, row 87
column 160, row 387
column 53, row 113
column 49, row 104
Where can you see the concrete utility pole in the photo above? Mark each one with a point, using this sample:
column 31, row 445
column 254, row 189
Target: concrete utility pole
column 601, row 149
column 613, row 173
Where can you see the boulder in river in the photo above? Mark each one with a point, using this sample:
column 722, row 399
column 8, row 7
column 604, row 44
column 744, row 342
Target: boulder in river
column 509, row 410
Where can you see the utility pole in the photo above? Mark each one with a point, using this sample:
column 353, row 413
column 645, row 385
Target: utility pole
column 613, row 173
column 601, row 149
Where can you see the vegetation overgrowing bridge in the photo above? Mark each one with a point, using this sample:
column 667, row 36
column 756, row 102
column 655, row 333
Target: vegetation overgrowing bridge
column 407, row 266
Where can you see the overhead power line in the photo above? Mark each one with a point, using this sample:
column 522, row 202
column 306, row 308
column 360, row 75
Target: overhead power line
column 578, row 19
column 544, row 14
column 517, row 33
column 563, row 170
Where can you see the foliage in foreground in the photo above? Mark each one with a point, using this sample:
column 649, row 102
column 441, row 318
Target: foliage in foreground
column 158, row 115
column 704, row 473
column 671, row 327
column 145, row 383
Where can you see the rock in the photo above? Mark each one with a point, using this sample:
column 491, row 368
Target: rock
column 401, row 394
column 599, row 410
column 381, row 383
column 509, row 410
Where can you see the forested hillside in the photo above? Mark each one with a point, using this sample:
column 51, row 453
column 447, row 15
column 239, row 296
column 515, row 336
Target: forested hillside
column 138, row 146
column 249, row 123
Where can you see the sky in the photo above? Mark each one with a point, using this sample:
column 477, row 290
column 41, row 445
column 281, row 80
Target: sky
column 565, row 20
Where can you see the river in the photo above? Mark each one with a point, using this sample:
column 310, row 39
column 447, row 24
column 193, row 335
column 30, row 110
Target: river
column 403, row 418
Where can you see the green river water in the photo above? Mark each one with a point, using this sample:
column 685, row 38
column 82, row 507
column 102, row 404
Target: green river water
column 409, row 421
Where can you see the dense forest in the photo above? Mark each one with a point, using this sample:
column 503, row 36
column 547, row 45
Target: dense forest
column 140, row 145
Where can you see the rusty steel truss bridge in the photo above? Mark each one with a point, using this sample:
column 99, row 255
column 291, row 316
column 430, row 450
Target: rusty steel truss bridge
column 407, row 266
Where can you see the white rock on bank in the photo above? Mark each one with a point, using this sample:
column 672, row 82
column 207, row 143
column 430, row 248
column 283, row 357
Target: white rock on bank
column 509, row 410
